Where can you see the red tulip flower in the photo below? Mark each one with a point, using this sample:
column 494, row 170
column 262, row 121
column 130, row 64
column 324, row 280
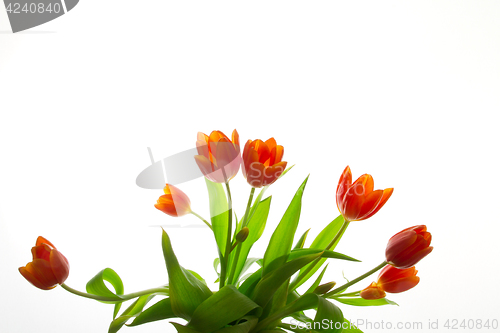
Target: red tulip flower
column 48, row 268
column 174, row 202
column 358, row 201
column 219, row 158
column 391, row 280
column 262, row 163
column 408, row 247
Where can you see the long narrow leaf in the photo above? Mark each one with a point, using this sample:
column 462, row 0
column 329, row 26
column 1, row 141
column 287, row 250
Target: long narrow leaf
column 218, row 213
column 282, row 238
column 159, row 311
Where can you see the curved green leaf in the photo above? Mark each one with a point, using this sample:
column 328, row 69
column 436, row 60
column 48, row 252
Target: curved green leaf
column 248, row 286
column 183, row 329
column 222, row 308
column 330, row 313
column 133, row 310
column 282, row 238
column 325, row 254
column 317, row 282
column 159, row 311
column 302, row 240
column 186, row 291
column 97, row 286
column 358, row 301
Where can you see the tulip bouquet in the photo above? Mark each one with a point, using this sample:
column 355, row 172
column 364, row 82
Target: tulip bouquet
column 265, row 299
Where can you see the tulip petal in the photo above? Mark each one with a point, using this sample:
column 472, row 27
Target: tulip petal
column 354, row 198
column 372, row 292
column 387, row 194
column 399, row 243
column 32, row 279
column 390, row 273
column 42, row 271
column 40, row 240
column 248, row 159
column 344, row 183
column 370, row 203
column 401, row 285
column 272, row 173
column 415, row 258
column 262, row 150
column 202, row 137
column 41, row 251
column 206, row 167
column 255, row 174
column 202, row 148
column 59, row 265
column 235, row 138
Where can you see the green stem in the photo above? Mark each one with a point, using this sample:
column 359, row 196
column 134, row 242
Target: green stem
column 345, row 286
column 201, row 218
column 309, row 268
column 122, row 297
column 238, row 250
column 223, row 269
column 353, row 294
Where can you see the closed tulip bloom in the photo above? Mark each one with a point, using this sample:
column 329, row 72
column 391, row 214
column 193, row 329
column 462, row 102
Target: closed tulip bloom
column 174, row 202
column 358, row 201
column 262, row 163
column 408, row 247
column 48, row 268
column 219, row 158
column 391, row 280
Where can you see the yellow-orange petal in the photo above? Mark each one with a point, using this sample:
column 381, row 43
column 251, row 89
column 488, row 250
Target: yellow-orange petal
column 344, row 183
column 373, row 291
column 270, row 143
column 272, row 173
column 370, row 203
column 42, row 271
column 386, row 195
column 40, row 240
column 235, row 138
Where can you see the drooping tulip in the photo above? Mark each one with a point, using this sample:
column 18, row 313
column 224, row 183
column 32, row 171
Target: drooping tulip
column 49, row 267
column 358, row 201
column 174, row 202
column 408, row 246
column 391, row 280
column 219, row 158
column 262, row 163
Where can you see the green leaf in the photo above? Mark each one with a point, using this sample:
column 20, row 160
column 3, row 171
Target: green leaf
column 248, row 286
column 97, row 286
column 218, row 213
column 282, row 238
column 270, row 283
column 302, row 240
column 183, row 329
column 317, row 282
column 216, row 265
column 159, row 311
column 321, row 242
column 196, row 275
column 358, row 301
column 325, row 254
column 222, row 308
column 133, row 310
column 331, row 314
column 186, row 291
column 242, row 327
column 256, row 227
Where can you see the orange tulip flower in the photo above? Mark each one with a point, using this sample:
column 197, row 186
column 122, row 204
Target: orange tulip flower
column 408, row 246
column 48, row 268
column 391, row 280
column 174, row 202
column 262, row 163
column 358, row 201
column 219, row 158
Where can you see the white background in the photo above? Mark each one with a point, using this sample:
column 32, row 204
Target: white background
column 407, row 92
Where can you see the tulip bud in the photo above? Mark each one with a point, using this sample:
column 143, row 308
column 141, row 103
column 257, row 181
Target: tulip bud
column 408, row 247
column 242, row 235
column 392, row 280
column 48, row 268
column 174, row 202
column 324, row 288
